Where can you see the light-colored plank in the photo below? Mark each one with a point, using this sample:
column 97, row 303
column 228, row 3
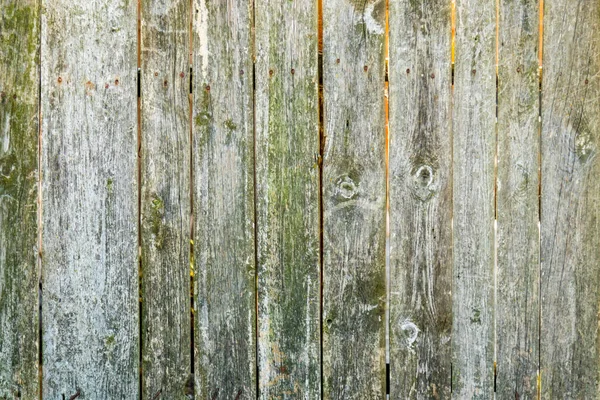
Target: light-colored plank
column 89, row 196
column 19, row 80
column 224, row 201
column 287, row 199
column 474, row 149
column 165, row 198
column 570, row 227
column 518, row 262
column 420, row 199
column 354, row 200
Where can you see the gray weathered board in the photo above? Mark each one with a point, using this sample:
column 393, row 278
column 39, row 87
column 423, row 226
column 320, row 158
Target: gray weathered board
column 473, row 149
column 518, row 267
column 420, row 159
column 248, row 213
column 89, row 199
column 287, row 199
column 354, row 200
column 570, row 209
column 19, row 126
column 223, row 163
column 165, row 207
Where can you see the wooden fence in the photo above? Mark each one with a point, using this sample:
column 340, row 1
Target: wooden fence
column 294, row 199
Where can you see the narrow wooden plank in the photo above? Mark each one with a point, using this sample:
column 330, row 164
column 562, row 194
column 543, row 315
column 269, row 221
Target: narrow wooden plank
column 420, row 199
column 19, row 126
column 570, row 341
column 89, row 195
column 165, row 198
column 224, row 201
column 287, row 199
column 354, row 200
column 474, row 149
column 518, row 262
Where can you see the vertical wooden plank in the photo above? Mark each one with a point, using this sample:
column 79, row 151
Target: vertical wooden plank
column 474, row 149
column 19, row 80
column 354, row 200
column 420, row 199
column 287, row 199
column 89, row 195
column 224, row 200
column 570, row 227
column 518, row 263
column 165, row 198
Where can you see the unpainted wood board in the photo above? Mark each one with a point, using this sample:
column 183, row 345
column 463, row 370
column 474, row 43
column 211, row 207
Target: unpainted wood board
column 570, row 215
column 287, row 199
column 89, row 198
column 224, row 252
column 518, row 262
column 19, row 126
column 354, row 200
column 474, row 149
column 165, row 199
column 420, row 164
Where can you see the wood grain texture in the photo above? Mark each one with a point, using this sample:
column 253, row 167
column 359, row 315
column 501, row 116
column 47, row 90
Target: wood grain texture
column 518, row 262
column 287, row 193
column 420, row 199
column 474, row 149
column 19, row 126
column 224, row 201
column 354, row 200
column 165, row 198
column 570, row 227
column 89, row 195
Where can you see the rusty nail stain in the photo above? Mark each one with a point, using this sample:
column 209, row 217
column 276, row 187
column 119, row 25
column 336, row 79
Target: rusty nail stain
column 181, row 75
column 207, row 88
column 293, row 71
column 116, row 82
column 337, row 61
column 283, row 369
column 76, row 395
column 241, row 72
column 165, row 83
column 408, row 70
column 156, row 74
column 106, row 86
column 157, row 395
column 473, row 71
column 366, row 68
column 586, row 81
column 432, row 76
column 59, row 79
column 14, row 96
column 271, row 72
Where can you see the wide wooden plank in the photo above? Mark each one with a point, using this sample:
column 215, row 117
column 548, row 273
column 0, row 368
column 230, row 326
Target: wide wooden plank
column 19, row 80
column 518, row 262
column 287, row 199
column 474, row 150
column 165, row 198
column 89, row 196
column 420, row 199
column 354, row 200
column 570, row 227
column 224, row 201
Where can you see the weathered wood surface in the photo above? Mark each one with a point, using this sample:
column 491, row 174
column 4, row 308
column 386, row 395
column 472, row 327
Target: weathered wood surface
column 570, row 228
column 224, row 201
column 518, row 262
column 420, row 199
column 19, row 79
column 89, row 196
column 287, row 199
column 165, row 199
column 354, row 200
column 474, row 149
